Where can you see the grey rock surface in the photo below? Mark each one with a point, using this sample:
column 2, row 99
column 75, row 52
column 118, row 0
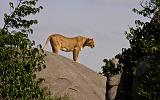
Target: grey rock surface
column 64, row 76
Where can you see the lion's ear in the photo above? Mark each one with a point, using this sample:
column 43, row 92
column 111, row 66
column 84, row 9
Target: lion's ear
column 87, row 39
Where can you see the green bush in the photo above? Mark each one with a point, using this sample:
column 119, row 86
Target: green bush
column 144, row 42
column 19, row 58
column 145, row 47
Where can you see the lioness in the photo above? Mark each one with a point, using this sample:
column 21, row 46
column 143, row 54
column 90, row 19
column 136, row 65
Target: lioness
column 75, row 44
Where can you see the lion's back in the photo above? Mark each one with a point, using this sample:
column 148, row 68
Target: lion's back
column 67, row 42
column 65, row 39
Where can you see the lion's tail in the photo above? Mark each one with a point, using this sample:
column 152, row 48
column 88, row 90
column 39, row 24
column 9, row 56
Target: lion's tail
column 48, row 39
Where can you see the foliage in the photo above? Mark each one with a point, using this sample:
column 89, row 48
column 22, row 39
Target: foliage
column 144, row 42
column 149, row 86
column 145, row 46
column 109, row 68
column 20, row 59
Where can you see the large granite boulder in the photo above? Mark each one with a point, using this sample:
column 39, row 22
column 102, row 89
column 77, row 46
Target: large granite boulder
column 64, row 76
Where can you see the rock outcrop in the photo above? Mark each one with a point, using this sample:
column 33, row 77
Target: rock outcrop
column 64, row 76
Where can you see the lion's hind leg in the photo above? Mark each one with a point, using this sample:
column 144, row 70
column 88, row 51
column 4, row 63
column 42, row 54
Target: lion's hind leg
column 55, row 48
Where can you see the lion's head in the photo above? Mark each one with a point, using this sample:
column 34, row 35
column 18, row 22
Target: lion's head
column 89, row 42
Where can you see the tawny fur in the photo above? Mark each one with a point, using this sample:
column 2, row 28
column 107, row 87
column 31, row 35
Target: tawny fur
column 75, row 44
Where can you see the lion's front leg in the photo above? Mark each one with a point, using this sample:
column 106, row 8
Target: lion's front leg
column 76, row 54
